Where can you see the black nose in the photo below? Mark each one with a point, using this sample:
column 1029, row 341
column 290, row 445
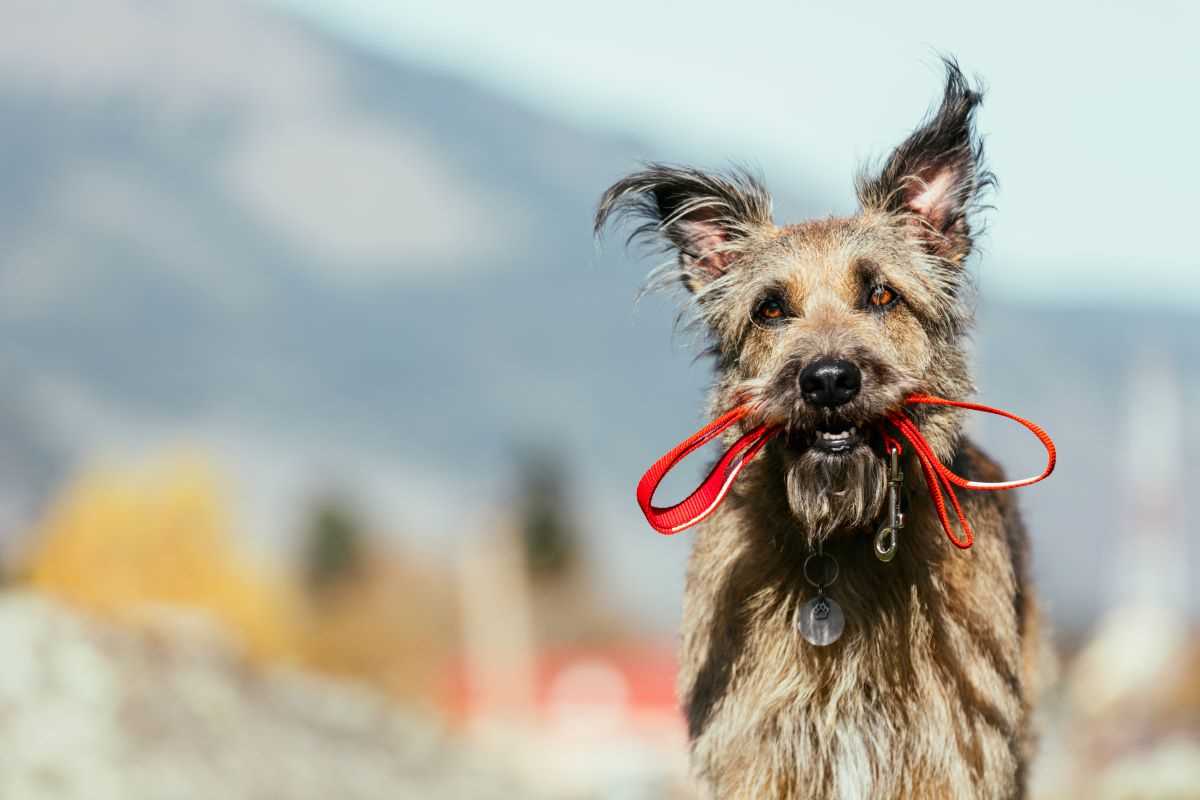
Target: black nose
column 830, row 382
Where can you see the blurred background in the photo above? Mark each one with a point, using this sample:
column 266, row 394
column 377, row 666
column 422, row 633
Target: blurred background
column 323, row 410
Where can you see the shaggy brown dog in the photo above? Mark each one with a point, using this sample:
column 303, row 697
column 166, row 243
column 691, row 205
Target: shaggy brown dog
column 826, row 326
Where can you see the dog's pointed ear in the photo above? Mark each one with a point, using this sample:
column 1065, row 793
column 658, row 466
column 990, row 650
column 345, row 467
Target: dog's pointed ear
column 704, row 218
column 934, row 179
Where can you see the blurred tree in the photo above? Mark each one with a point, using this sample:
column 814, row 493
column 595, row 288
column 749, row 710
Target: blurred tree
column 566, row 610
column 130, row 544
column 376, row 616
column 334, row 548
column 547, row 529
column 141, row 546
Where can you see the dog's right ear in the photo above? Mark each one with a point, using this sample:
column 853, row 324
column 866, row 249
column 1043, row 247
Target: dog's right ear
column 704, row 218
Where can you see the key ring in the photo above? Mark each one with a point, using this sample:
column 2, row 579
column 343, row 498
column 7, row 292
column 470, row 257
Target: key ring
column 820, row 554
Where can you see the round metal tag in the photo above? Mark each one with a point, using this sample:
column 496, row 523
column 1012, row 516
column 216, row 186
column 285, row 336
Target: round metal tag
column 821, row 621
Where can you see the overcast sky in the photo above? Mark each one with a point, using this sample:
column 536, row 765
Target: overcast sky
column 1091, row 118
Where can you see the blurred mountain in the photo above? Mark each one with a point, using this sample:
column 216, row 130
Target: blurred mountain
column 223, row 226
column 219, row 220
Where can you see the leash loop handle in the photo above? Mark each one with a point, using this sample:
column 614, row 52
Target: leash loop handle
column 709, row 494
column 938, row 476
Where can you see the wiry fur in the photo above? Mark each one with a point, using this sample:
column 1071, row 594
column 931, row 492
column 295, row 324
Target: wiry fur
column 927, row 694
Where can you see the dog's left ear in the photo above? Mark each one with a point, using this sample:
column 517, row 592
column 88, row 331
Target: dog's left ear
column 933, row 180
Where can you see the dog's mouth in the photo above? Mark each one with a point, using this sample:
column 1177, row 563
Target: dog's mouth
column 835, row 436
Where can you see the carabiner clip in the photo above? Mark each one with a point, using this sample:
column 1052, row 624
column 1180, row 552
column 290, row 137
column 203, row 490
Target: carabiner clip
column 887, row 540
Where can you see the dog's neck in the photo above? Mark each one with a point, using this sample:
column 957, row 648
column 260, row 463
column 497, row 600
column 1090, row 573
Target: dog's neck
column 776, row 539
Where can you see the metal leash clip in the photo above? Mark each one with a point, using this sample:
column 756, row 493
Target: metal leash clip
column 887, row 539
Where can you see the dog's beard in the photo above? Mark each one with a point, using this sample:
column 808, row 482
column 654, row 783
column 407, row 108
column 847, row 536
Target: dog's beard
column 829, row 494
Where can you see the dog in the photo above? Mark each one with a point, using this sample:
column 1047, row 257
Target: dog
column 824, row 327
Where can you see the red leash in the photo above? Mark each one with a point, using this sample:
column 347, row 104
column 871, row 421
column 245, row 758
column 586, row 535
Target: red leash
column 939, row 476
column 709, row 494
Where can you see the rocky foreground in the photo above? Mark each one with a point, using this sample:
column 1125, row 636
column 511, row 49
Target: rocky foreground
column 90, row 710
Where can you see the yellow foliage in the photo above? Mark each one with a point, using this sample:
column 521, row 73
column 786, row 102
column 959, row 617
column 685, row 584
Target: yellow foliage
column 121, row 542
column 127, row 544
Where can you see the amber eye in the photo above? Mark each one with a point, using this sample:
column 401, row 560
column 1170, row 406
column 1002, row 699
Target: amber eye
column 770, row 310
column 882, row 296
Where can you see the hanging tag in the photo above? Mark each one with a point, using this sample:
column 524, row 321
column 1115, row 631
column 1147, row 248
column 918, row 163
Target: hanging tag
column 821, row 621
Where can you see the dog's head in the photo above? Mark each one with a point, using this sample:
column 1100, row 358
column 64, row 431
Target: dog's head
column 827, row 325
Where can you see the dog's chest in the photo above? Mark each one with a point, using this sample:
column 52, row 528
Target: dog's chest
column 918, row 700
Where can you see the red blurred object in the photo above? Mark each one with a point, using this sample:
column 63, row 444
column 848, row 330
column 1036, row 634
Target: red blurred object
column 622, row 690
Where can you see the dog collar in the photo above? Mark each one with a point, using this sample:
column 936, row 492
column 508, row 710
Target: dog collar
column 939, row 478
